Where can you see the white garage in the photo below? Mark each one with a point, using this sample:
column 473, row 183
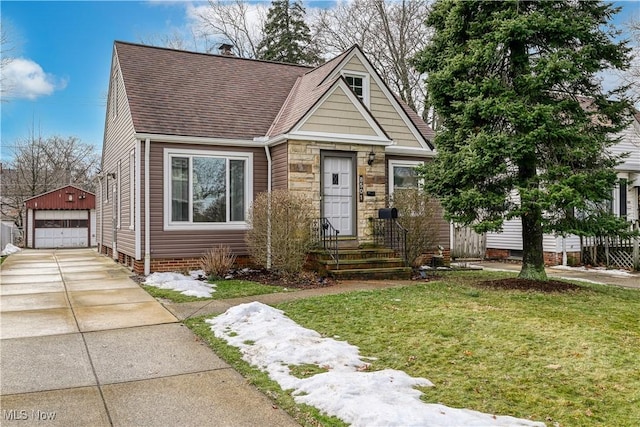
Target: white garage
column 62, row 218
column 61, row 229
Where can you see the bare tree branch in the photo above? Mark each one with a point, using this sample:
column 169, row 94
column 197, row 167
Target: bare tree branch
column 234, row 22
column 40, row 165
column 390, row 33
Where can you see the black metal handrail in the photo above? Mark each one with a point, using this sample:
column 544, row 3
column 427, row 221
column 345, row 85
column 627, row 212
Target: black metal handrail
column 326, row 237
column 390, row 234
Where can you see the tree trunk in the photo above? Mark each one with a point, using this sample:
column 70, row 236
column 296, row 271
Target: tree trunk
column 532, row 250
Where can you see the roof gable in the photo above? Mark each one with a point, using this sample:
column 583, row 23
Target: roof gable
column 355, row 59
column 309, row 88
column 59, row 199
column 339, row 113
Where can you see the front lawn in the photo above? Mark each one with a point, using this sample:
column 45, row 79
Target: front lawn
column 224, row 289
column 567, row 359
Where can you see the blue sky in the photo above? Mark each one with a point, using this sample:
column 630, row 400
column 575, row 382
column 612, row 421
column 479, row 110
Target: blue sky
column 66, row 49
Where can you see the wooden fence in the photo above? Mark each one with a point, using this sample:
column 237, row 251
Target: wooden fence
column 467, row 243
column 612, row 251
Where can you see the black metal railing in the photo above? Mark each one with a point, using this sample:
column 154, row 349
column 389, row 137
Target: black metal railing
column 390, row 234
column 326, row 237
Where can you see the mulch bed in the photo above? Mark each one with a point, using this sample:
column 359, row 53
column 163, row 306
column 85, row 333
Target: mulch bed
column 529, row 285
column 303, row 280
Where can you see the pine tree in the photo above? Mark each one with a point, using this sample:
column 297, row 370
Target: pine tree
column 515, row 85
column 287, row 37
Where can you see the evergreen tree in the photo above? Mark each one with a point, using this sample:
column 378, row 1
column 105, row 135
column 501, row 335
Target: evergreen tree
column 287, row 37
column 515, row 85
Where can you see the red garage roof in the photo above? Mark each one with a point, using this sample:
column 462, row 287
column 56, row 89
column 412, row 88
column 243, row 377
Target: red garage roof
column 65, row 198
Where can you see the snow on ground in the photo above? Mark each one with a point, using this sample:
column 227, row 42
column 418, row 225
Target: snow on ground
column 272, row 342
column 9, row 249
column 603, row 270
column 186, row 285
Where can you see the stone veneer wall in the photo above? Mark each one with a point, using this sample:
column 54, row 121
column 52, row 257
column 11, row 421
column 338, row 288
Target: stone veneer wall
column 304, row 177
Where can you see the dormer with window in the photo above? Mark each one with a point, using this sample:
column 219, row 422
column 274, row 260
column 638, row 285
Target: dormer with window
column 359, row 84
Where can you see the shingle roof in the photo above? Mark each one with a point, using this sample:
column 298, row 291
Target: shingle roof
column 175, row 92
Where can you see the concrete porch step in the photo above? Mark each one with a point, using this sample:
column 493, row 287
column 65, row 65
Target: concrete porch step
column 372, row 273
column 364, row 263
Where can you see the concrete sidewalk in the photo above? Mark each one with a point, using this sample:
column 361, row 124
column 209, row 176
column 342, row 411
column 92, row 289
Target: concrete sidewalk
column 83, row 345
column 592, row 275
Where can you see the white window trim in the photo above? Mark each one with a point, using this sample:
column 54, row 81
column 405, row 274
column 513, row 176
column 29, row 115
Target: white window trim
column 233, row 155
column 366, row 85
column 132, row 189
column 401, row 163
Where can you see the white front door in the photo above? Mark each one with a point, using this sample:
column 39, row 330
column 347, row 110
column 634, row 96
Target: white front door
column 337, row 193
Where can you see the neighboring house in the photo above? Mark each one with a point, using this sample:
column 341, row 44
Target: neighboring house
column 192, row 138
column 625, row 203
column 62, row 218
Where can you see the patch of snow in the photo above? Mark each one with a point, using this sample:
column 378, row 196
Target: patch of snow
column 272, row 342
column 10, row 249
column 181, row 283
column 604, row 270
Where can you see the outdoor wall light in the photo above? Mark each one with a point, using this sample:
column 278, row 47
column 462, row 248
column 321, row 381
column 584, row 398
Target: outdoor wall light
column 372, row 157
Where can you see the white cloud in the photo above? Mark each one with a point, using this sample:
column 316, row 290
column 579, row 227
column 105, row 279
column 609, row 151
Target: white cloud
column 24, row 78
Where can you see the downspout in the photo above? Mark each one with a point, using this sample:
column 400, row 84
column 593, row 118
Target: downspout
column 269, row 167
column 147, row 250
column 101, row 214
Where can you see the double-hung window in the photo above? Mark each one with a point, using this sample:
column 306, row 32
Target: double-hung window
column 207, row 190
column 359, row 85
column 356, row 85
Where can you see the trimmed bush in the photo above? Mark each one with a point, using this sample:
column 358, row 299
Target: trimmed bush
column 280, row 230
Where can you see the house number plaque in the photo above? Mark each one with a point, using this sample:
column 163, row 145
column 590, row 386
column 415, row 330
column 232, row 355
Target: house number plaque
column 361, row 187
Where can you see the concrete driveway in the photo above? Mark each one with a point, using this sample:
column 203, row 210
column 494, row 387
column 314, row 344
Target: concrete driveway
column 81, row 344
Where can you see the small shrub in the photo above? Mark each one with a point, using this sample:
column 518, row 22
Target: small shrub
column 217, row 261
column 280, row 230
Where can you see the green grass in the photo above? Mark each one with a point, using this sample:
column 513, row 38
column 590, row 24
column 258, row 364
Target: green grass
column 569, row 358
column 225, row 289
column 303, row 414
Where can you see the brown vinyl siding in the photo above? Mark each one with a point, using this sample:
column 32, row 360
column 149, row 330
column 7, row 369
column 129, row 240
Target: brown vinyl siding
column 279, row 167
column 193, row 243
column 442, row 226
column 118, row 143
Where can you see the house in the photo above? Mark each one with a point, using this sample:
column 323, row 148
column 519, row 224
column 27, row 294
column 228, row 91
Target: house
column 61, row 218
column 191, row 139
column 625, row 203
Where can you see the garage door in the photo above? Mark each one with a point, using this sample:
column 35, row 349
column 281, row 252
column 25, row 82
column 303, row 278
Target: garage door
column 61, row 229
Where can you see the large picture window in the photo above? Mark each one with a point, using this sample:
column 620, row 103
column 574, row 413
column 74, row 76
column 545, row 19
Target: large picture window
column 207, row 189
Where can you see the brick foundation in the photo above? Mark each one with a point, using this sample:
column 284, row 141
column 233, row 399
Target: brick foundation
column 550, row 258
column 492, row 253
